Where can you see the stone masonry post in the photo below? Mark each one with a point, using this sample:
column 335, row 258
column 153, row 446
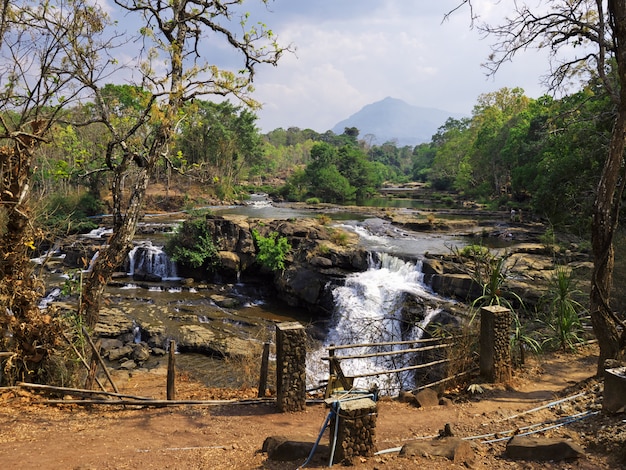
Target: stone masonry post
column 290, row 366
column 495, row 348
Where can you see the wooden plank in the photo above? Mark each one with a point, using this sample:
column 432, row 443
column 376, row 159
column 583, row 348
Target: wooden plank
column 264, row 370
column 391, row 353
column 403, row 369
column 389, row 343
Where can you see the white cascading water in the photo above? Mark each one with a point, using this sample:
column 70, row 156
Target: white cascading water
column 151, row 259
column 368, row 310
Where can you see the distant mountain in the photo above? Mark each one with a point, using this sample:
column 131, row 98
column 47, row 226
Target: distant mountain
column 394, row 119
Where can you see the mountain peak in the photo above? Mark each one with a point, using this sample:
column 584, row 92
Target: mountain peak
column 392, row 119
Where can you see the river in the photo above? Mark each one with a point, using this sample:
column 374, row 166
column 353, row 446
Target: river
column 369, row 299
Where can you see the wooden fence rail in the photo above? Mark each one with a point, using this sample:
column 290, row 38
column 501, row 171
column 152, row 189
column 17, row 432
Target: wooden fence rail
column 427, row 345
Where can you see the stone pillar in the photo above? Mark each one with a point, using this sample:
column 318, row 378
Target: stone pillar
column 290, row 366
column 614, row 398
column 355, row 424
column 495, row 347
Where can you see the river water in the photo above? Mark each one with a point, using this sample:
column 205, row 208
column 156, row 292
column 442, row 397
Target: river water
column 367, row 306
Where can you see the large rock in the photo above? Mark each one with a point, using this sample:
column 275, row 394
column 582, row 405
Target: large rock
column 280, row 448
column 199, row 338
column 542, row 449
column 452, row 448
column 314, row 262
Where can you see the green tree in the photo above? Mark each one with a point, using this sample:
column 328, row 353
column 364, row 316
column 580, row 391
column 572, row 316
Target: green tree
column 600, row 28
column 174, row 34
column 219, row 139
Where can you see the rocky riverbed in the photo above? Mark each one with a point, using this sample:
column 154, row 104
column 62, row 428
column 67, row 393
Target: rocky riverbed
column 322, row 255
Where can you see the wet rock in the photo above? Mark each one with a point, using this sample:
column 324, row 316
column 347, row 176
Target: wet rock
column 542, row 449
column 224, row 301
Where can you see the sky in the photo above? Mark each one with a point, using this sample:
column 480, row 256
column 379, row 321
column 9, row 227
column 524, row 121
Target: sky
column 350, row 53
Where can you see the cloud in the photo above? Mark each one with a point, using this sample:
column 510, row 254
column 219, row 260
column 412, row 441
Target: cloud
column 351, row 53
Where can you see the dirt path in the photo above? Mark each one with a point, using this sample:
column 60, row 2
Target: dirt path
column 37, row 436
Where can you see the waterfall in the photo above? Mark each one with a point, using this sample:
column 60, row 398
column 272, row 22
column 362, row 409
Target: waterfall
column 146, row 258
column 368, row 309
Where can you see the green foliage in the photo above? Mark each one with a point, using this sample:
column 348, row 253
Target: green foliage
column 313, row 200
column 563, row 315
column 323, row 219
column 273, row 250
column 339, row 237
column 192, row 245
column 70, row 214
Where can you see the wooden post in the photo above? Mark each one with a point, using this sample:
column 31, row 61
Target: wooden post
column 171, row 371
column 495, row 348
column 264, row 367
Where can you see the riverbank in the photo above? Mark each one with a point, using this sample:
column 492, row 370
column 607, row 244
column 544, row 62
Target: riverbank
column 36, row 435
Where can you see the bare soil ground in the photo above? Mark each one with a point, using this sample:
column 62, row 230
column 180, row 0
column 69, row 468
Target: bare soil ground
column 43, row 436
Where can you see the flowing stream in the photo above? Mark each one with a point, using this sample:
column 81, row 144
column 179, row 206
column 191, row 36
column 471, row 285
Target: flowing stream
column 368, row 305
column 368, row 309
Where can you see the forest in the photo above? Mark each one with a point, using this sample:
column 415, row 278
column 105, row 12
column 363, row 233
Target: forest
column 541, row 155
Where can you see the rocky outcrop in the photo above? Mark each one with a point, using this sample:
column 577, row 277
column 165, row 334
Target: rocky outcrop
column 314, row 263
column 529, row 269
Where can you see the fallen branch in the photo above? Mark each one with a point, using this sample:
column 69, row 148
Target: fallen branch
column 77, row 391
column 99, row 358
column 160, row 403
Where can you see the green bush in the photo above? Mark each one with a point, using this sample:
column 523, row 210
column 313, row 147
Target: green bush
column 564, row 310
column 191, row 245
column 272, row 250
column 70, row 214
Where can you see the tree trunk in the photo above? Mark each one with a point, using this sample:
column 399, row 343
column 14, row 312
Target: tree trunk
column 606, row 211
column 113, row 256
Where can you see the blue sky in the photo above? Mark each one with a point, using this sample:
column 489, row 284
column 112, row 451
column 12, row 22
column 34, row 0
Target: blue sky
column 349, row 53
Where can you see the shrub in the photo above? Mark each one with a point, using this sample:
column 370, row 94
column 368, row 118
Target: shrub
column 192, row 245
column 272, row 250
column 563, row 311
column 323, row 219
column 70, row 214
column 339, row 237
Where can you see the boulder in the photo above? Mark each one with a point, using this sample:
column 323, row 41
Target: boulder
column 200, row 338
column 452, row 448
column 281, row 449
column 427, row 397
column 141, row 352
column 542, row 449
column 118, row 353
